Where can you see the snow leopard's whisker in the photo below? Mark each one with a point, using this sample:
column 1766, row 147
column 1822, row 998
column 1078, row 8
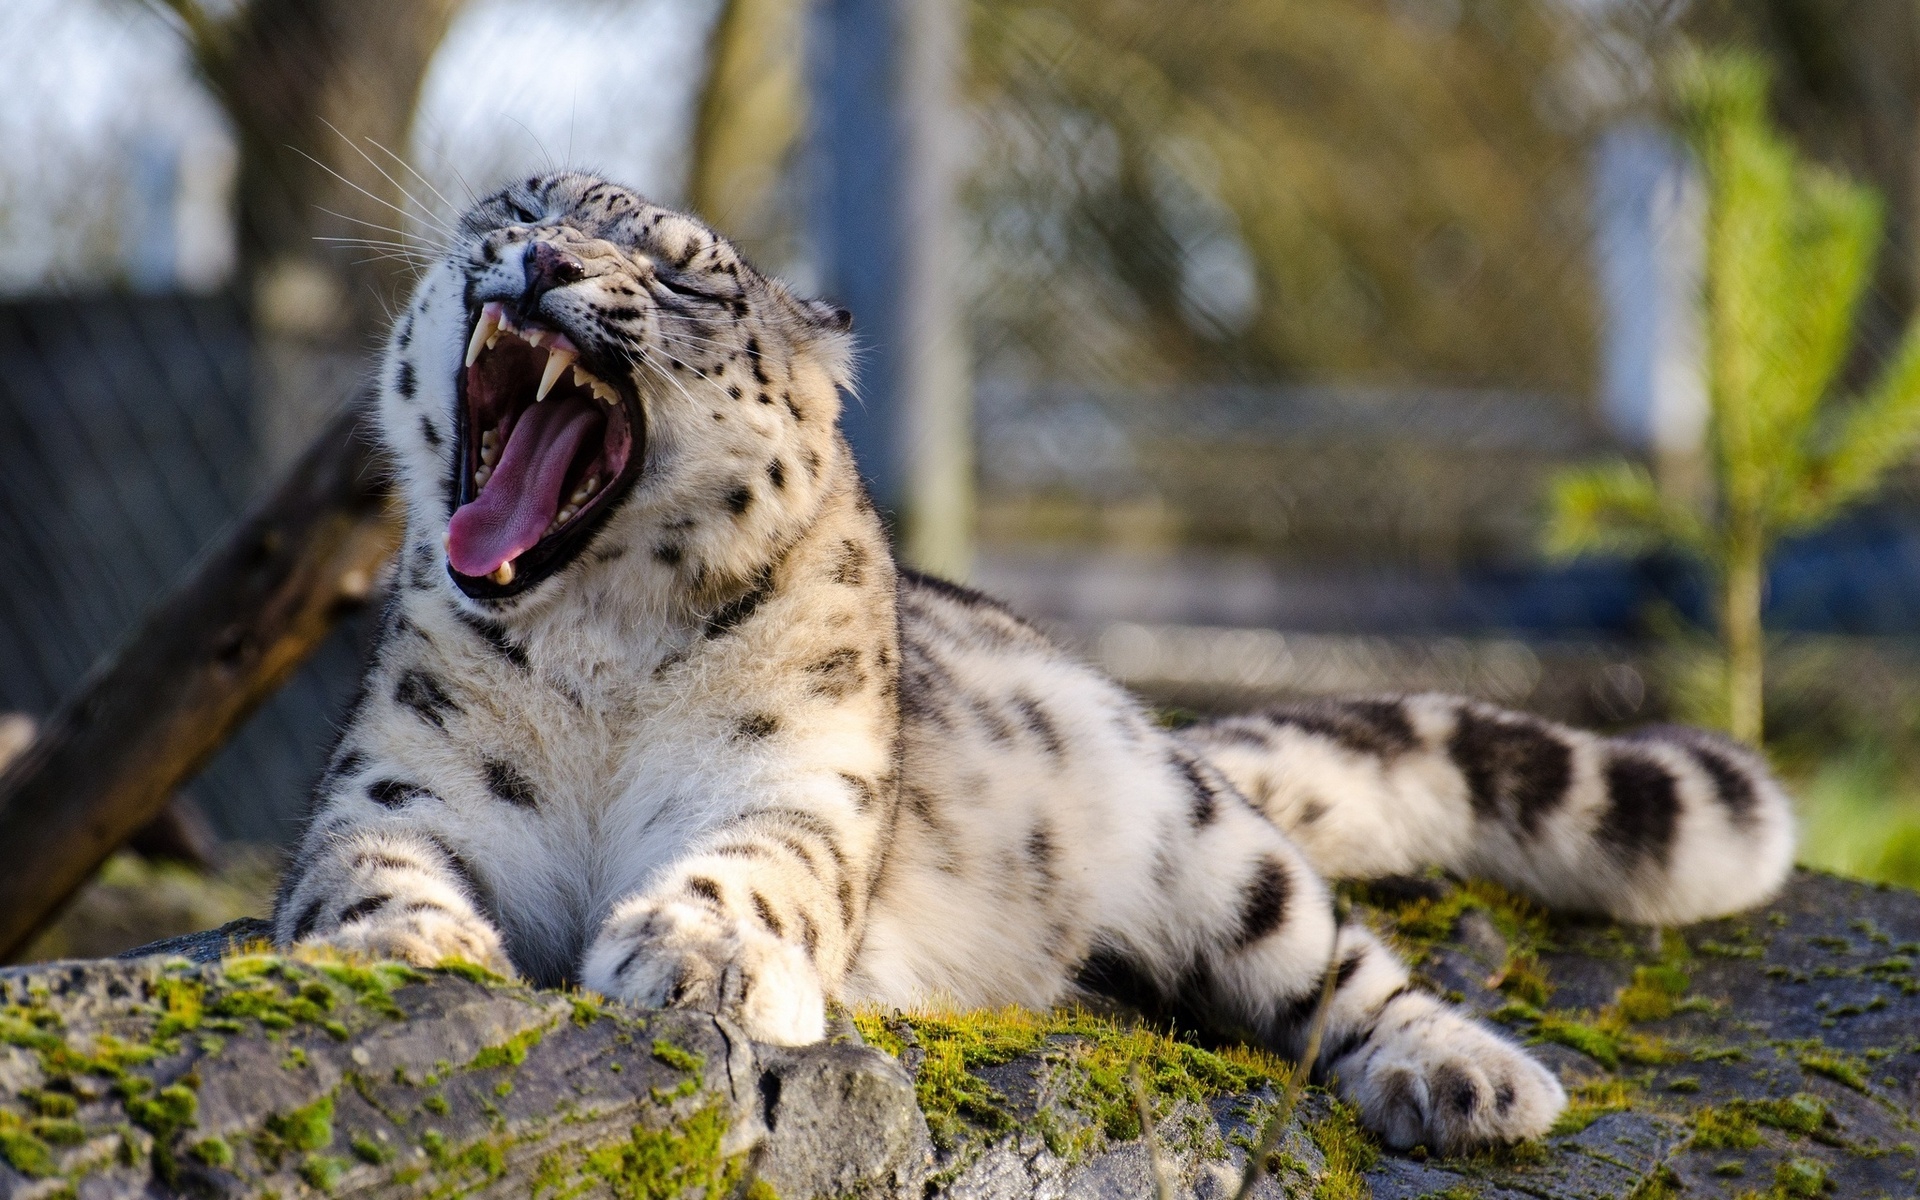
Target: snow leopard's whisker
column 683, row 350
column 373, row 258
column 397, row 249
column 646, row 360
column 539, row 144
column 380, row 200
column 410, row 169
column 424, row 212
column 694, row 341
column 387, row 252
column 667, row 376
column 426, row 247
column 682, row 335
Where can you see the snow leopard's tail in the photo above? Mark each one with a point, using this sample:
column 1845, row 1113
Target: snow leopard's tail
column 1662, row 826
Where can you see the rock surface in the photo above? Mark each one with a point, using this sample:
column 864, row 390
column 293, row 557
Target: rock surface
column 1772, row 1055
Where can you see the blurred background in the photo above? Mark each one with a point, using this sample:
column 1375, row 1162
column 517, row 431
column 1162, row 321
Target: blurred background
column 1240, row 341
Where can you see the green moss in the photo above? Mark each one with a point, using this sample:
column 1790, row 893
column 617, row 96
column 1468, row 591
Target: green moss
column 307, row 1128
column 24, row 1150
column 372, row 986
column 323, row 1171
column 1424, row 921
column 1104, row 1056
column 50, row 1104
column 1590, row 1102
column 436, row 1104
column 1349, row 1151
column 273, row 992
column 1588, row 1039
column 214, row 1152
column 1802, row 1113
column 110, row 1058
column 1093, row 1058
column 1800, row 1177
column 467, row 1168
column 1836, row 1067
column 510, row 1053
column 367, row 1150
column 1524, row 980
column 660, row 1163
column 1663, row 1184
column 181, row 1005
column 676, row 1057
column 1736, row 1124
column 1728, row 1128
column 57, row 1132
column 472, row 973
column 548, row 1174
column 485, row 1158
column 171, row 1109
column 1651, row 995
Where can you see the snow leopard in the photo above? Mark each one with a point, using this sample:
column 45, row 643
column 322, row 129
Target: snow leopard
column 655, row 711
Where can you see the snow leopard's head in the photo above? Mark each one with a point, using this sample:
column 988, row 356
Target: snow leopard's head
column 584, row 369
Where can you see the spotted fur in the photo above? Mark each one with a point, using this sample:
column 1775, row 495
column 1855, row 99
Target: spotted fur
column 731, row 757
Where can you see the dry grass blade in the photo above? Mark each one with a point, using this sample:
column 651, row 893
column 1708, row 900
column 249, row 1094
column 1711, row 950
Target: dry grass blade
column 1316, row 1031
column 1156, row 1159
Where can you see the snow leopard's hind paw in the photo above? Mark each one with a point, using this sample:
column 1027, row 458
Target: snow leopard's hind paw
column 656, row 953
column 1432, row 1075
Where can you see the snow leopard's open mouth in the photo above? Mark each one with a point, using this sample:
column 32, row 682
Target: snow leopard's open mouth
column 545, row 448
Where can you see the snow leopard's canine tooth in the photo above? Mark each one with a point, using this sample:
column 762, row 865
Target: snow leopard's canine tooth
column 720, row 751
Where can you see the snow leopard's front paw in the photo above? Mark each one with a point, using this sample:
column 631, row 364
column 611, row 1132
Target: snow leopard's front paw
column 657, row 953
column 425, row 936
column 1431, row 1075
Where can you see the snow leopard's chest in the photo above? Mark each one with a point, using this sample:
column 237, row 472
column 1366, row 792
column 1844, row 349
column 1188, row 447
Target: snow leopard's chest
column 576, row 780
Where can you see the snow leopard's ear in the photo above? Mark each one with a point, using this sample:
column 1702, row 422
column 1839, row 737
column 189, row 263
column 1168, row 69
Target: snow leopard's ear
column 826, row 329
column 828, row 315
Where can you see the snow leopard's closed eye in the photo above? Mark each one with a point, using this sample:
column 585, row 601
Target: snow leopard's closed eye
column 654, row 710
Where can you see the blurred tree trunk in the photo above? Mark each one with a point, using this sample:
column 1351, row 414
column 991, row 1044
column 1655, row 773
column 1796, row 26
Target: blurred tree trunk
column 1847, row 87
column 752, row 109
column 315, row 88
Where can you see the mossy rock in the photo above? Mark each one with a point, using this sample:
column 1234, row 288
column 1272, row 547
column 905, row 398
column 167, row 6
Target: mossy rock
column 261, row 1075
column 1772, row 1055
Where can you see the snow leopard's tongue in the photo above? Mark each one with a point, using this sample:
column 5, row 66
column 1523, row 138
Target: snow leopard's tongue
column 523, row 493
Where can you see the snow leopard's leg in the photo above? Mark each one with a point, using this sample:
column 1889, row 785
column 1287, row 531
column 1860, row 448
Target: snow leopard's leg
column 1663, row 826
column 1240, row 934
column 760, row 910
column 756, row 921
column 372, row 876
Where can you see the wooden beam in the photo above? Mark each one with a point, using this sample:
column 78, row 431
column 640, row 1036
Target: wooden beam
column 149, row 716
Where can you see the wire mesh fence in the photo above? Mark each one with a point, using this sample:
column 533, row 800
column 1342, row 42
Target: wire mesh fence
column 125, row 448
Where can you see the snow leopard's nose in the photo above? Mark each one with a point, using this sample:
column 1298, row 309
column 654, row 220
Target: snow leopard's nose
column 547, row 266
